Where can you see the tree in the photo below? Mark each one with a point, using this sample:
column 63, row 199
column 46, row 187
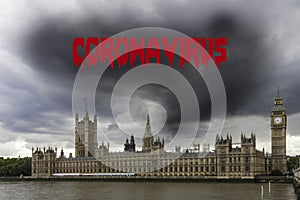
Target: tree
column 15, row 166
column 293, row 163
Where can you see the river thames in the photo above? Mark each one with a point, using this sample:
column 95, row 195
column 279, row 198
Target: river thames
column 142, row 191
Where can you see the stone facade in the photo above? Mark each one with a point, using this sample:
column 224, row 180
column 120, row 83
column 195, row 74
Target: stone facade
column 226, row 161
column 85, row 136
column 245, row 160
column 278, row 131
column 43, row 162
column 149, row 144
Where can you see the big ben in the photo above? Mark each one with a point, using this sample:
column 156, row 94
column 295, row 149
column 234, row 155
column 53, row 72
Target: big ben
column 278, row 132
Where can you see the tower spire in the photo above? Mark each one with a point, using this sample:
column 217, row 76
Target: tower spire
column 86, row 110
column 148, row 119
column 278, row 91
column 147, row 138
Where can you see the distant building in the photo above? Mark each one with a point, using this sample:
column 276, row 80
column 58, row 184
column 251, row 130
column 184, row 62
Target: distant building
column 239, row 161
column 43, row 162
column 148, row 143
column 86, row 144
column 85, row 136
column 226, row 161
column 130, row 146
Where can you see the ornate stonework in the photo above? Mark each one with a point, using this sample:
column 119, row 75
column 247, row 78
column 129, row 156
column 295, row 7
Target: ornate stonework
column 226, row 161
column 278, row 132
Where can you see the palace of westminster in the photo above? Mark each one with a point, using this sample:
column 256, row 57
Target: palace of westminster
column 226, row 161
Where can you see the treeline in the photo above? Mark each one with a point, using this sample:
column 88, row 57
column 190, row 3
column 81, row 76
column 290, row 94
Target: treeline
column 293, row 163
column 15, row 166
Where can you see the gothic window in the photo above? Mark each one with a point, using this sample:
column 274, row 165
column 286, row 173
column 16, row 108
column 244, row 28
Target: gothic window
column 247, row 159
column 247, row 168
column 223, row 160
column 223, row 168
column 247, row 149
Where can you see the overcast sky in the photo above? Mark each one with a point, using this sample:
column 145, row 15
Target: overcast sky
column 37, row 72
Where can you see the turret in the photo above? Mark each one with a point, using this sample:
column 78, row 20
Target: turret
column 148, row 120
column 217, row 139
column 130, row 146
column 76, row 119
column 95, row 118
column 62, row 153
column 132, row 140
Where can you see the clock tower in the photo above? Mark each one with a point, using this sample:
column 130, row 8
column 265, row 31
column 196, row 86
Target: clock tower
column 278, row 132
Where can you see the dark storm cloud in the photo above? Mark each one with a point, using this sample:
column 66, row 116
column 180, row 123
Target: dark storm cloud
column 245, row 73
column 48, row 50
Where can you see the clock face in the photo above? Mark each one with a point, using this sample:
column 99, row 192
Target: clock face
column 277, row 120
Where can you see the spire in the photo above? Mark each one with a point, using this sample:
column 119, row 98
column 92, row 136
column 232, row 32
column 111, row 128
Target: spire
column 132, row 140
column 217, row 139
column 278, row 91
column 86, row 109
column 147, row 138
column 76, row 118
column 95, row 118
column 148, row 119
column 148, row 127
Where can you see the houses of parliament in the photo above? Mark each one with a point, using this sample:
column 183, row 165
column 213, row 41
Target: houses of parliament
column 226, row 161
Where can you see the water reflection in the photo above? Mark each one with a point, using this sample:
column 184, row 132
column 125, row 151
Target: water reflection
column 142, row 191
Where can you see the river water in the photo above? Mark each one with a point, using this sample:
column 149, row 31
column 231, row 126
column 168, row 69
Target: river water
column 142, row 191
